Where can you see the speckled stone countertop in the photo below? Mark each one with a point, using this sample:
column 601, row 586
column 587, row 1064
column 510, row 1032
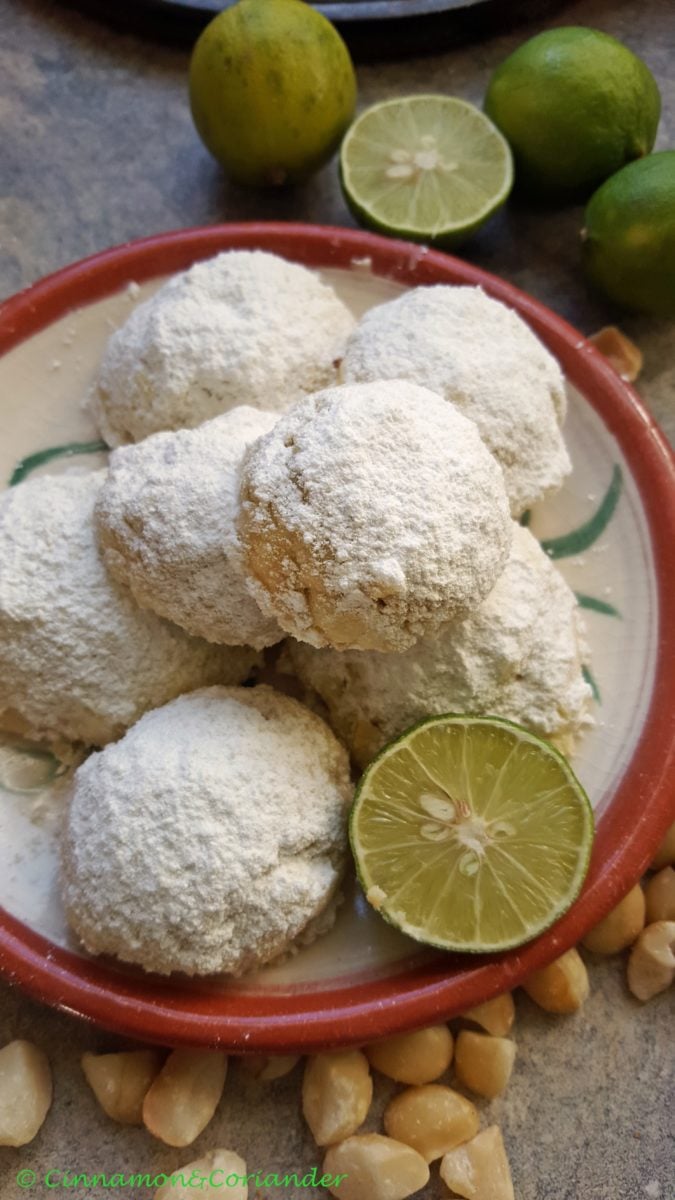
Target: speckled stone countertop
column 97, row 147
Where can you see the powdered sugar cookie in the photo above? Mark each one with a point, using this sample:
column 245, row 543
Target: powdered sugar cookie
column 239, row 799
column 166, row 527
column 519, row 655
column 370, row 515
column 244, row 327
column 482, row 356
column 78, row 659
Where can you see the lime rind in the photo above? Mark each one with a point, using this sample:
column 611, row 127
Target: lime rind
column 575, row 105
column 567, row 871
column 467, row 178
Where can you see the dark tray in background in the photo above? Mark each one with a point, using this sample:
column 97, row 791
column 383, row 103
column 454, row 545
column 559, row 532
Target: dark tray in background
column 372, row 28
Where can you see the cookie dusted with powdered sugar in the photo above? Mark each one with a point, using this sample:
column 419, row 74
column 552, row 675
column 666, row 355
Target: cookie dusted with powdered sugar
column 166, row 527
column 238, row 798
column 245, row 327
column 370, row 515
column 480, row 355
column 519, row 655
column 78, row 659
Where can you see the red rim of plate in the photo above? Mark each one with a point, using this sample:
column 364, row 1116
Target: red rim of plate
column 632, row 825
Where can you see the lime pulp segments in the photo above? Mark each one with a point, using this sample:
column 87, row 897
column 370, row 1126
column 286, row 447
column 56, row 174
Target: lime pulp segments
column 430, row 168
column 471, row 834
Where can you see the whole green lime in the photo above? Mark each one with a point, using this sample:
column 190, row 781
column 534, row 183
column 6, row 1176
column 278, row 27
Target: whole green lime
column 629, row 236
column 272, row 90
column 576, row 106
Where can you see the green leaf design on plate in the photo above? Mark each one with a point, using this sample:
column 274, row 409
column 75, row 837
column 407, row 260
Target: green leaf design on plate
column 585, row 535
column 25, row 768
column 33, row 461
column 590, row 680
column 595, row 605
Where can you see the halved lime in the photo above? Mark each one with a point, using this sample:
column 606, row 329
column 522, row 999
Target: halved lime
column 470, row 833
column 430, row 168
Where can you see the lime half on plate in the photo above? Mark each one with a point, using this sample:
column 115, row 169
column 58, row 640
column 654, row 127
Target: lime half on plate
column 471, row 834
column 430, row 168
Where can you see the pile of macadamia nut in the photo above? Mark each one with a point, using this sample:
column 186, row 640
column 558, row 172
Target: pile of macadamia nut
column 426, row 1122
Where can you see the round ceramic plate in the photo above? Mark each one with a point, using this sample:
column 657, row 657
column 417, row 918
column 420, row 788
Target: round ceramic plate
column 372, row 28
column 612, row 533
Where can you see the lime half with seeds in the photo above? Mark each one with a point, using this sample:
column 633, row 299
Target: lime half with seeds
column 429, row 168
column 471, row 834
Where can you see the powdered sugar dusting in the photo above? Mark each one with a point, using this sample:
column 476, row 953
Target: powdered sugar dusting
column 78, row 659
column 480, row 355
column 245, row 327
column 370, row 515
column 519, row 655
column 210, row 836
column 166, row 524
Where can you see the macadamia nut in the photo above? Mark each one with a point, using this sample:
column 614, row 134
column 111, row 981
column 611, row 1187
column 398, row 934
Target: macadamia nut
column 25, row 1092
column 432, row 1119
column 562, row 986
column 336, row 1094
column 620, row 927
column 120, row 1082
column 416, row 1058
column 184, row 1096
column 484, row 1063
column 479, row 1169
column 372, row 1167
